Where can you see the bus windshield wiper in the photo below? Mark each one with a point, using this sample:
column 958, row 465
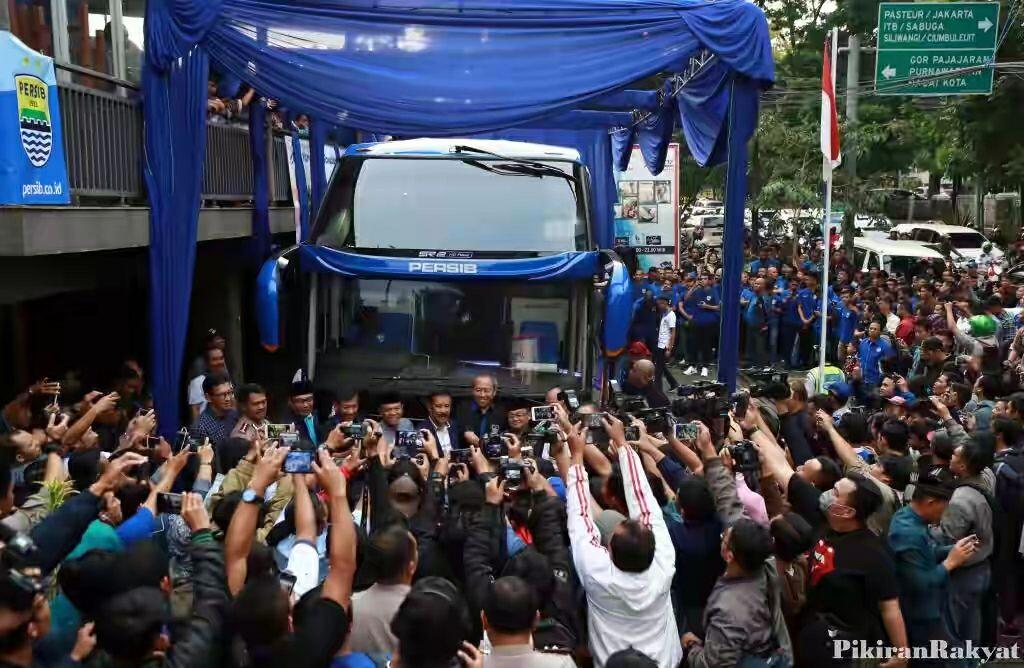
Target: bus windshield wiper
column 516, row 165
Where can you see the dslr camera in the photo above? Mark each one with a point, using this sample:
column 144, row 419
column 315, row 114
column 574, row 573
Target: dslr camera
column 768, row 383
column 18, row 568
column 493, row 444
column 744, row 457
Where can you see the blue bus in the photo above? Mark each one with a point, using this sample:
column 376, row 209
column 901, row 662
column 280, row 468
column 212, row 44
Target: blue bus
column 434, row 260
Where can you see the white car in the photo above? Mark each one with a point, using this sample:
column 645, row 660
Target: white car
column 892, row 256
column 708, row 229
column 966, row 241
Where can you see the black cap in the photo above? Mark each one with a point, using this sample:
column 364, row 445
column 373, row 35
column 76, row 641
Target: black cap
column 936, row 482
column 301, row 387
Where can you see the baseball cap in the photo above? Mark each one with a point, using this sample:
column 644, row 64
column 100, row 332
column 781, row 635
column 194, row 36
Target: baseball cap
column 840, row 390
column 606, row 522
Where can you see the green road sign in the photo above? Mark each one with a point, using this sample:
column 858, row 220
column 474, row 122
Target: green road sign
column 936, row 48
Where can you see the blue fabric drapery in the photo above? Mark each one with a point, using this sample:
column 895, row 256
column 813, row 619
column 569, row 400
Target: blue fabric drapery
column 453, row 67
column 301, row 187
column 260, row 244
column 317, row 174
column 742, row 115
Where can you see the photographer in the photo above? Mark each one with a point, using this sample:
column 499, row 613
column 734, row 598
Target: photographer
column 743, row 618
column 626, row 570
column 639, row 382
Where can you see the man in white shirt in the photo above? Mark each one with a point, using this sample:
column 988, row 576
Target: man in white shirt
column 892, row 321
column 196, row 397
column 666, row 341
column 627, row 575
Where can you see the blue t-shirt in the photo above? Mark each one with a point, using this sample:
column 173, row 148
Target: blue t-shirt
column 847, row 320
column 789, row 313
column 707, row 296
column 756, row 265
column 756, row 313
column 747, row 294
column 871, row 355
column 810, row 302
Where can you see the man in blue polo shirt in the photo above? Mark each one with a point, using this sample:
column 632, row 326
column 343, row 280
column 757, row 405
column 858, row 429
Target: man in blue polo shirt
column 808, row 301
column 847, row 318
column 755, row 317
column 872, row 351
column 707, row 304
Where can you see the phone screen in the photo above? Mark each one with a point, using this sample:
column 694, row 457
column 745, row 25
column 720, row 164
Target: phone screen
column 167, row 503
column 538, row 413
column 298, row 461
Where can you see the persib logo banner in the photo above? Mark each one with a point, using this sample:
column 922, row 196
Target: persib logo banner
column 32, row 168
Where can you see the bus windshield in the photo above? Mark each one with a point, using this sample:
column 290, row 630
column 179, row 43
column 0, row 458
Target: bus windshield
column 376, row 332
column 470, row 204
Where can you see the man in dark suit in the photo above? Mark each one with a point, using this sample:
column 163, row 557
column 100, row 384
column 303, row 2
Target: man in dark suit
column 439, row 422
column 479, row 416
column 300, row 412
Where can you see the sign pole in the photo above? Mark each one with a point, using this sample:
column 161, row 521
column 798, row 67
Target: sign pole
column 826, row 230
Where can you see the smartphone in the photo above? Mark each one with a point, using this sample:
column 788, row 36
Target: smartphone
column 287, row 581
column 686, row 431
column 360, row 430
column 186, row 440
column 632, row 433
column 275, row 430
column 289, row 439
column 152, row 441
column 593, row 420
column 298, row 461
column 168, row 503
column 408, row 444
column 538, row 413
column 459, row 455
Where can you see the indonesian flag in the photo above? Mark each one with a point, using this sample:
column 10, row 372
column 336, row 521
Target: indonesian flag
column 829, row 120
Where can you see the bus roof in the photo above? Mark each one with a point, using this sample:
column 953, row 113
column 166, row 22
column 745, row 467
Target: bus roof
column 427, row 147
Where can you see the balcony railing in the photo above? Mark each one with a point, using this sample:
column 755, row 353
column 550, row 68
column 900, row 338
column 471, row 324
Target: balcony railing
column 103, row 147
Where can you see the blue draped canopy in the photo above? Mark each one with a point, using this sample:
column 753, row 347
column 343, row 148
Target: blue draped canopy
column 445, row 67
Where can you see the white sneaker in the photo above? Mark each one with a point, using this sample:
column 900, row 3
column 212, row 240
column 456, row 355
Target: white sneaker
column 704, row 372
column 690, row 370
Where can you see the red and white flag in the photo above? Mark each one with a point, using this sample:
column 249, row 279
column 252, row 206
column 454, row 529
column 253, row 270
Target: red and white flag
column 829, row 119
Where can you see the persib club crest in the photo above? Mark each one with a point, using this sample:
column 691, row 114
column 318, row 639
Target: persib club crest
column 34, row 118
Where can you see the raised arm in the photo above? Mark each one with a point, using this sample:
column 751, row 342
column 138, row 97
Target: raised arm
column 242, row 530
column 589, row 556
column 338, row 585
column 847, row 455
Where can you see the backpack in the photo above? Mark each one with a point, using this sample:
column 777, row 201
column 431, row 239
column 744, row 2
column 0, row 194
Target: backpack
column 1009, row 473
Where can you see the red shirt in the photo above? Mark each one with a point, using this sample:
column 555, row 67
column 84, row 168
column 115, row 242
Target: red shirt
column 905, row 330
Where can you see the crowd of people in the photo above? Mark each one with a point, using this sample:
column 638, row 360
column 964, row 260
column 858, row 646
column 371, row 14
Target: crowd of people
column 676, row 315
column 878, row 507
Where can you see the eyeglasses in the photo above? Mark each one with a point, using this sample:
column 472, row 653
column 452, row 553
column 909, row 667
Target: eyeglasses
column 223, row 395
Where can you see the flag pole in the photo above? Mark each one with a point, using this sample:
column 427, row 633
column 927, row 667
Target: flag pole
column 826, row 229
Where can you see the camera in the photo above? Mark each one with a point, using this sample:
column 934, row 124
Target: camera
column 657, row 420
column 168, row 503
column 512, row 474
column 275, row 430
column 686, row 431
column 298, row 461
column 18, row 567
column 622, row 403
column 538, row 413
column 703, row 400
column 571, row 399
column 493, row 444
column 186, row 440
column 744, row 457
column 360, row 430
column 768, row 383
column 408, row 444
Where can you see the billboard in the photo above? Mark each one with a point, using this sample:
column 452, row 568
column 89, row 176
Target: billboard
column 32, row 168
column 647, row 215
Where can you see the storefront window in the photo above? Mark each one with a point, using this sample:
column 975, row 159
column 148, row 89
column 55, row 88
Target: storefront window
column 32, row 24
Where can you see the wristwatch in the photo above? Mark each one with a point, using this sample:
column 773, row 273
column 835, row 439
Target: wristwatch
column 250, row 496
